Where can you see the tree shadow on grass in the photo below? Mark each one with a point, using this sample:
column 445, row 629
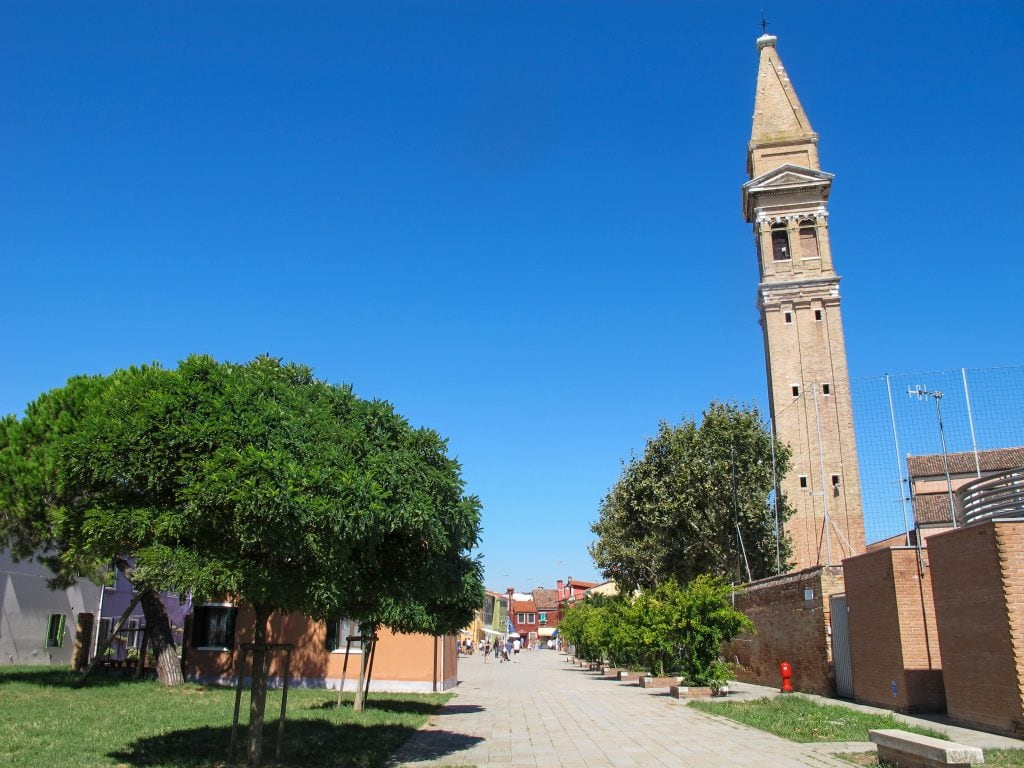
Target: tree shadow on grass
column 62, row 677
column 307, row 744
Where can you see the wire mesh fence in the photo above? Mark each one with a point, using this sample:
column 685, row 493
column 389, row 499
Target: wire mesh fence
column 966, row 410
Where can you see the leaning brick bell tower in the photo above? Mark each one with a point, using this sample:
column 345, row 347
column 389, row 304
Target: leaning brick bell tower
column 798, row 297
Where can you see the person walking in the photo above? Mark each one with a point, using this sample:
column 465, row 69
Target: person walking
column 516, row 646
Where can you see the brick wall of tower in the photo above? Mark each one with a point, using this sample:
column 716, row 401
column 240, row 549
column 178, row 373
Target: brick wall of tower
column 978, row 581
column 894, row 642
column 802, row 353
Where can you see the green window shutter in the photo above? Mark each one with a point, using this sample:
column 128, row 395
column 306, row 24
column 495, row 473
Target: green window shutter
column 60, row 630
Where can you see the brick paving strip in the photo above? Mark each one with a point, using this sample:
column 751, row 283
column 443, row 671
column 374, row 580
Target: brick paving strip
column 545, row 713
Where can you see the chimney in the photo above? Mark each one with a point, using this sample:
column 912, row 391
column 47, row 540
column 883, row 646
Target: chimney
column 561, row 589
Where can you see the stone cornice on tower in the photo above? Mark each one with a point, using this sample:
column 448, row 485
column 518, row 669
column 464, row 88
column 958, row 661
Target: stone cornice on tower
column 781, row 185
column 781, row 132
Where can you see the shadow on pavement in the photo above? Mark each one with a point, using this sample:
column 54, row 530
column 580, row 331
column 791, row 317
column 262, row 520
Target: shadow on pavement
column 461, row 709
column 433, row 745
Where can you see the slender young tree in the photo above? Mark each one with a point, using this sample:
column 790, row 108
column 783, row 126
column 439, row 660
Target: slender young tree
column 696, row 502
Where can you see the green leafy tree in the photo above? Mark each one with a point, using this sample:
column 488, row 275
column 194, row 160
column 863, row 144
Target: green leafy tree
column 260, row 482
column 35, row 495
column 701, row 617
column 697, row 502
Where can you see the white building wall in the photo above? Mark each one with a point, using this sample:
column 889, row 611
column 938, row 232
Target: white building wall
column 26, row 605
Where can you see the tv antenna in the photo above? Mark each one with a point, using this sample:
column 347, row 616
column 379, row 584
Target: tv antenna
column 923, row 393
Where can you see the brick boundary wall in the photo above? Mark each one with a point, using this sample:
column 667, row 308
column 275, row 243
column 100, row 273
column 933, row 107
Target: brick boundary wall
column 790, row 628
column 894, row 642
column 978, row 581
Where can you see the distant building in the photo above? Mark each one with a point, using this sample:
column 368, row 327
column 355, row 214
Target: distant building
column 38, row 624
column 523, row 613
column 934, row 495
column 116, row 597
column 493, row 618
column 572, row 590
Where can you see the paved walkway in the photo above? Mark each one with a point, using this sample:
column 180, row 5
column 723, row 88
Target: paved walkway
column 545, row 713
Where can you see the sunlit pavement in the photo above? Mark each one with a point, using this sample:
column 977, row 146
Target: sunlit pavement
column 546, row 712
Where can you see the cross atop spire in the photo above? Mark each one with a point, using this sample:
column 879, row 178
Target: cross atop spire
column 764, row 24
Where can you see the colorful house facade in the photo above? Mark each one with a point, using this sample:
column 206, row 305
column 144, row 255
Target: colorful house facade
column 215, row 632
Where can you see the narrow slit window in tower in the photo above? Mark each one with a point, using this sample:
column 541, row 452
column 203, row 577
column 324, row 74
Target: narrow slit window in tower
column 788, row 317
column 826, row 389
column 808, row 239
column 835, row 481
column 817, row 315
column 796, row 390
column 803, row 481
column 780, row 243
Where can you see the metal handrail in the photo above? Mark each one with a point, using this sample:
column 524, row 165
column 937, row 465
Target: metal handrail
column 996, row 497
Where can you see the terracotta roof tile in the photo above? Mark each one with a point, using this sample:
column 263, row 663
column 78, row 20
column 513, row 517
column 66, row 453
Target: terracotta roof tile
column 933, row 509
column 546, row 599
column 963, row 462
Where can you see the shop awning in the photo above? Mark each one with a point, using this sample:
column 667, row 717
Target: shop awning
column 547, row 632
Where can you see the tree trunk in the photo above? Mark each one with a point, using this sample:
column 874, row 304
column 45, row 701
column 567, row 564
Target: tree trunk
column 359, row 701
column 258, row 698
column 158, row 628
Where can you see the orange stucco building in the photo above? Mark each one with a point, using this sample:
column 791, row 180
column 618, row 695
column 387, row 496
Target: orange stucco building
column 402, row 663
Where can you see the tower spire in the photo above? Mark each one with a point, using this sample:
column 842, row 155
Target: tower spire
column 781, row 132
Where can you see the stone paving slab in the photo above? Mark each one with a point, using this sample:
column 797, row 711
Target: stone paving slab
column 545, row 713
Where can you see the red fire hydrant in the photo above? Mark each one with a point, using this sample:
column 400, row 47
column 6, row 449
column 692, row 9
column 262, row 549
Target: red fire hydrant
column 786, row 670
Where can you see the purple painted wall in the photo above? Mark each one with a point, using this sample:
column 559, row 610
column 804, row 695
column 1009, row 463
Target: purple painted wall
column 114, row 602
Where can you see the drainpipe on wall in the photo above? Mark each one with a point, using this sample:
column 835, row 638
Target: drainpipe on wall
column 433, row 670
column 99, row 618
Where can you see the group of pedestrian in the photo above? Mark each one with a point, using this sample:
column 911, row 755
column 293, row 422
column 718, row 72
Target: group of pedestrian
column 503, row 651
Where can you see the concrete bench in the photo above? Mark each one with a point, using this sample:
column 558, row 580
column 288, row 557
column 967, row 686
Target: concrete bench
column 911, row 750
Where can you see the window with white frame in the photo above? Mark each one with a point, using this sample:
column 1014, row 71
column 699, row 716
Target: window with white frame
column 213, row 626
column 133, row 634
column 338, row 633
column 542, row 617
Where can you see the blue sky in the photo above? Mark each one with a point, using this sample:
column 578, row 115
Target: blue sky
column 517, row 221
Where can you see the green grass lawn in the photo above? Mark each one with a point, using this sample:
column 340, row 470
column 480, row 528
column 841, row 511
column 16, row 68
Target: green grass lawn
column 46, row 723
column 799, row 719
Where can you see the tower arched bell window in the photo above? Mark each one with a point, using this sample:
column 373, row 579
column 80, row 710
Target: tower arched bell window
column 808, row 239
column 780, row 243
